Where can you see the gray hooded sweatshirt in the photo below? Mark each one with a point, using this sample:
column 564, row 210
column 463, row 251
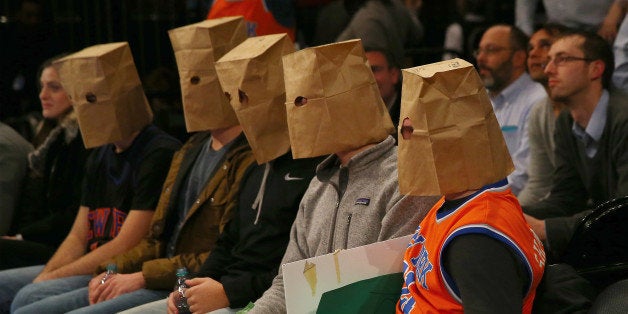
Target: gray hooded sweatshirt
column 348, row 206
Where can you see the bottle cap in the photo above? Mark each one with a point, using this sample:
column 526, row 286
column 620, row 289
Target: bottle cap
column 112, row 267
column 182, row 272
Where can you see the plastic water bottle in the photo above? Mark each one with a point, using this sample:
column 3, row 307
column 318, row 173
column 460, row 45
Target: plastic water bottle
column 179, row 289
column 112, row 269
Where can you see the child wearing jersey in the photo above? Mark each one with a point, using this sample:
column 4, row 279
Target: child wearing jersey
column 474, row 251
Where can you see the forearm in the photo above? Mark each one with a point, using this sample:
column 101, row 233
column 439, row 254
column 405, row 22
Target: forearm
column 86, row 264
column 615, row 14
column 159, row 274
column 70, row 250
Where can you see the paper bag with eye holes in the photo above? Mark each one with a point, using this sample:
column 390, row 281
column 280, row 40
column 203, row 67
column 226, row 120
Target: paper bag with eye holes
column 106, row 92
column 456, row 143
column 332, row 100
column 252, row 75
column 196, row 48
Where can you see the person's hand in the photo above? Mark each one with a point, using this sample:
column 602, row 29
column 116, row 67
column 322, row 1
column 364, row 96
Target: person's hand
column 205, row 295
column 115, row 285
column 537, row 225
column 172, row 299
column 43, row 277
column 94, row 288
column 12, row 238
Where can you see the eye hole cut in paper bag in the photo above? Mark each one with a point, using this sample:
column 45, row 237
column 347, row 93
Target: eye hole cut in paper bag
column 252, row 76
column 106, row 92
column 332, row 100
column 456, row 143
column 196, row 48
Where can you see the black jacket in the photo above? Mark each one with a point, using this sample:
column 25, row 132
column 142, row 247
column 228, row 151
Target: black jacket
column 247, row 255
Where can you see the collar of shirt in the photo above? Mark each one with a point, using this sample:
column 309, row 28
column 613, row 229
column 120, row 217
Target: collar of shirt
column 593, row 133
column 511, row 91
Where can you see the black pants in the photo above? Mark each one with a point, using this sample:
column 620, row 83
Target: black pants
column 15, row 253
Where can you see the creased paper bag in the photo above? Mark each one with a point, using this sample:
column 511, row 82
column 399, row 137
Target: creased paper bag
column 196, row 48
column 456, row 143
column 252, row 75
column 106, row 92
column 332, row 100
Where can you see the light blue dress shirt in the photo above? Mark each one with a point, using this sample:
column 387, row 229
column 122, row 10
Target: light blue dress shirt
column 512, row 107
column 591, row 136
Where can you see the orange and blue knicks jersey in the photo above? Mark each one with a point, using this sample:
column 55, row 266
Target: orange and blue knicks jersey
column 260, row 18
column 492, row 211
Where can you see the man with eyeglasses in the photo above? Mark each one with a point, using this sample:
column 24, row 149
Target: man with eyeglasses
column 501, row 60
column 541, row 122
column 591, row 137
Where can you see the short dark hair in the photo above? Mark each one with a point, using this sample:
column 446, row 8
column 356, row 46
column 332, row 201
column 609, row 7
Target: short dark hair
column 387, row 54
column 554, row 29
column 518, row 39
column 596, row 48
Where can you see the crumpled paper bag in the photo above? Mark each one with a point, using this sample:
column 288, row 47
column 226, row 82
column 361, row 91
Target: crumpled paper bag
column 332, row 100
column 252, row 76
column 196, row 48
column 456, row 143
column 106, row 93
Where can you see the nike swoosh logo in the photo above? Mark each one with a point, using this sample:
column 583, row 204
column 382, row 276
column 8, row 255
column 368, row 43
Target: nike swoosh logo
column 287, row 177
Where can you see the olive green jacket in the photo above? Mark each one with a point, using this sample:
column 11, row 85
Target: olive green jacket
column 203, row 223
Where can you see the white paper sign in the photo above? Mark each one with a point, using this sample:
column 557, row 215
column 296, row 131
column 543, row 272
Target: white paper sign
column 305, row 281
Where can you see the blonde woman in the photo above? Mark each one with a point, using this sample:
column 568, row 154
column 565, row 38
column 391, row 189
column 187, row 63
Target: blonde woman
column 51, row 191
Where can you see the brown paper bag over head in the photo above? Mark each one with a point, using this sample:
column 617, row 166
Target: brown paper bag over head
column 196, row 48
column 106, row 93
column 453, row 142
column 252, row 76
column 332, row 100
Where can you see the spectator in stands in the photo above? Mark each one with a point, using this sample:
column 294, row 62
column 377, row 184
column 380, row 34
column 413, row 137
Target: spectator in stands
column 14, row 150
column 353, row 199
column 248, row 252
column 197, row 200
column 388, row 76
column 501, row 59
column 474, row 251
column 385, row 23
column 120, row 188
column 542, row 119
column 262, row 17
column 620, row 49
column 591, row 153
column 602, row 16
column 51, row 193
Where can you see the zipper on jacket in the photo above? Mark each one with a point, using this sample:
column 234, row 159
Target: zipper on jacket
column 347, row 233
column 332, row 231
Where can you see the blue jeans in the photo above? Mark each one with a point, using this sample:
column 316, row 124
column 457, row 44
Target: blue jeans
column 12, row 280
column 36, row 292
column 76, row 301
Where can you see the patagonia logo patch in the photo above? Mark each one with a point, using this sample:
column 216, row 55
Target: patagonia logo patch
column 363, row 201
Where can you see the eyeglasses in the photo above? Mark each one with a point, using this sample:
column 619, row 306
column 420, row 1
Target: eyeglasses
column 488, row 50
column 562, row 59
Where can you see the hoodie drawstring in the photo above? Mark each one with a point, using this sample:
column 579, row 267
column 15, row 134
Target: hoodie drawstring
column 259, row 199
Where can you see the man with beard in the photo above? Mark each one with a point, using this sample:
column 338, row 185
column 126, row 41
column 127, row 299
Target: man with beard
column 542, row 119
column 501, row 59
